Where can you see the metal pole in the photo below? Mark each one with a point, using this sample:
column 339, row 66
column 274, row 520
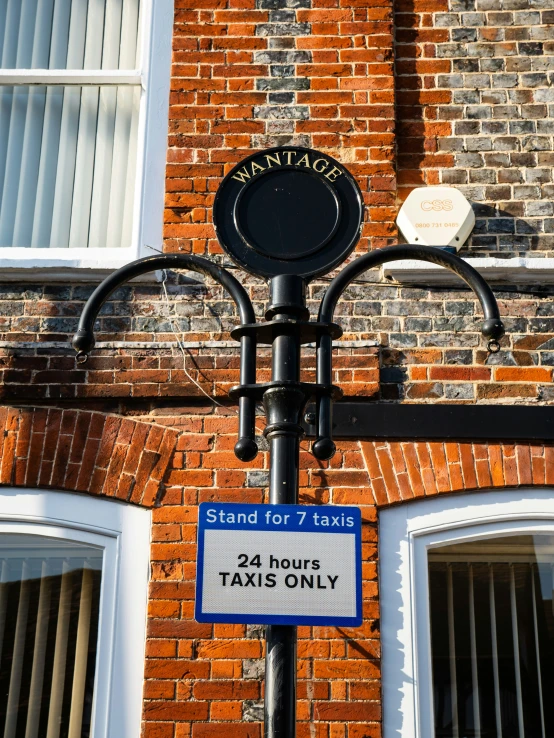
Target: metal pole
column 284, row 403
column 285, row 397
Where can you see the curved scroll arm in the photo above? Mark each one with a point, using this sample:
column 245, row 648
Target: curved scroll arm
column 83, row 341
column 492, row 327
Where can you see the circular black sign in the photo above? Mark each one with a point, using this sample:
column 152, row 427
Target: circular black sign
column 288, row 210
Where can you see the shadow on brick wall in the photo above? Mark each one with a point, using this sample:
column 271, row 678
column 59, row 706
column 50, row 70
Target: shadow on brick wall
column 421, row 118
column 504, row 230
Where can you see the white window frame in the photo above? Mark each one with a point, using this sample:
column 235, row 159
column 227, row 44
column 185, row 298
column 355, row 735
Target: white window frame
column 406, row 532
column 519, row 270
column 123, row 533
column 154, row 78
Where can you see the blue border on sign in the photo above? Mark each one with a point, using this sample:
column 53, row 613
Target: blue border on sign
column 298, row 523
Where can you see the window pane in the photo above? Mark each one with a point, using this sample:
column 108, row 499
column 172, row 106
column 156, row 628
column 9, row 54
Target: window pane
column 492, row 637
column 67, row 165
column 69, row 34
column 49, row 604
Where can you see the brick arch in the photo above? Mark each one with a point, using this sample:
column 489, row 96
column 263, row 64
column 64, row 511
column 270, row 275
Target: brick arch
column 405, row 470
column 84, row 451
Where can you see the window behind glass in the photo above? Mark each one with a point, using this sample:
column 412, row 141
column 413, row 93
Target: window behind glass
column 68, row 149
column 492, row 637
column 49, row 610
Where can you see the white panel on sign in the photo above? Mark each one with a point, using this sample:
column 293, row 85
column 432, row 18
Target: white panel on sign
column 436, row 216
column 285, row 564
column 291, row 575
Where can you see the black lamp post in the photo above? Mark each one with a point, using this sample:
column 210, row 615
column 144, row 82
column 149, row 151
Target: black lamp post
column 288, row 215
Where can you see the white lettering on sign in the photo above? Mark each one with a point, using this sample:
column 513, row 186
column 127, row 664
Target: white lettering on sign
column 285, row 573
column 274, row 518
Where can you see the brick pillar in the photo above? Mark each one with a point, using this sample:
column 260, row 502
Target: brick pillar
column 249, row 74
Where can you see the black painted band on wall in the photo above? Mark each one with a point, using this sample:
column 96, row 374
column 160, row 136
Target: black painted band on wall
column 369, row 420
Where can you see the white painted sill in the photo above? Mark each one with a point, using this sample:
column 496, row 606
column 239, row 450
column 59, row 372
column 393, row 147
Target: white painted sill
column 88, row 265
column 62, row 265
column 512, row 271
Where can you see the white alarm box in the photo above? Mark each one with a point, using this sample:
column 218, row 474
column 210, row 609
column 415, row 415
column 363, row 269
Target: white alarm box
column 436, row 216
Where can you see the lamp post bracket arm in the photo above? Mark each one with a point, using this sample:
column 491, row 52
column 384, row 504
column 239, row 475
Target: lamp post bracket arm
column 83, row 341
column 492, row 328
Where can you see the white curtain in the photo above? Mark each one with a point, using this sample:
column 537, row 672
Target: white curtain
column 49, row 602
column 67, row 153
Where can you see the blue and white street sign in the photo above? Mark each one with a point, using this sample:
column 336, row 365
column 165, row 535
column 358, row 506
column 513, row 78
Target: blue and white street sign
column 279, row 564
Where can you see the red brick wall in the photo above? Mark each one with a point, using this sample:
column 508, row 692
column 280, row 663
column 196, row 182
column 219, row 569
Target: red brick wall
column 83, row 451
column 209, row 677
column 207, row 680
column 249, row 74
column 202, row 678
column 449, row 92
column 473, row 94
